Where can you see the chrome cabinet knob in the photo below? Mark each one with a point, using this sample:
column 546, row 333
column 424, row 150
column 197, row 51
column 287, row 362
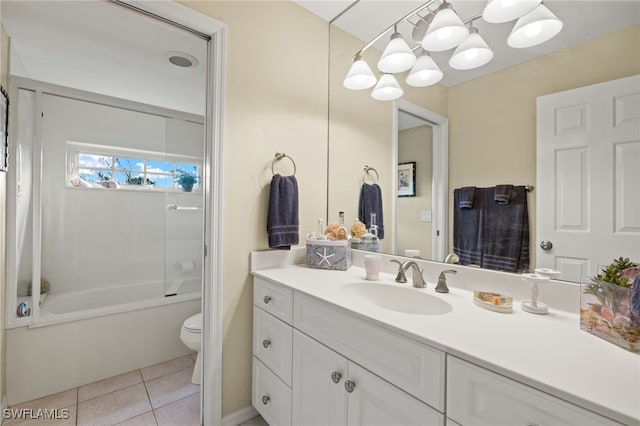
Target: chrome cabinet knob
column 349, row 385
column 546, row 245
column 267, row 299
column 266, row 343
column 336, row 377
column 265, row 399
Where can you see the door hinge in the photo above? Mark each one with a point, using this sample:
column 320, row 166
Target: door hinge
column 206, row 250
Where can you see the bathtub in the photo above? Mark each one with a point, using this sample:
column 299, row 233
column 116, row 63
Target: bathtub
column 85, row 336
column 106, row 300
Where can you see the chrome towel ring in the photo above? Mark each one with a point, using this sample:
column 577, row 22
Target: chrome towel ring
column 279, row 156
column 368, row 169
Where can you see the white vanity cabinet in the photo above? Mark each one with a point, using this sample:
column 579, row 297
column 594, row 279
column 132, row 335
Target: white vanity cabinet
column 476, row 396
column 330, row 390
column 361, row 375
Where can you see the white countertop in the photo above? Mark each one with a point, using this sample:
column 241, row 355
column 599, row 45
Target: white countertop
column 548, row 352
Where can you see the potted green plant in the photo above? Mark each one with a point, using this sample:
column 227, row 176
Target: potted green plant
column 186, row 180
column 605, row 304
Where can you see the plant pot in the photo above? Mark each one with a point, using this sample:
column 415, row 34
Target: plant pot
column 187, row 187
column 605, row 311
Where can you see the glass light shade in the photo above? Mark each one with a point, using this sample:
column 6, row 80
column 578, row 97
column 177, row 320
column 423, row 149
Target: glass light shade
column 397, row 56
column 424, row 73
column 359, row 76
column 446, row 31
column 387, row 89
column 534, row 28
column 472, row 53
column 499, row 11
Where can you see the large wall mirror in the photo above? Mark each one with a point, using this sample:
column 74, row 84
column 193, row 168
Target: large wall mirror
column 491, row 112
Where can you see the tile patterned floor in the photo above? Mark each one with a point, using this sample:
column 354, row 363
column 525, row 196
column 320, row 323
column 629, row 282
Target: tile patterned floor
column 159, row 395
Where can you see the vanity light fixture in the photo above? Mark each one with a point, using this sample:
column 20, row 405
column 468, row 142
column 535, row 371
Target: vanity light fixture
column 446, row 31
column 534, row 28
column 397, row 56
column 472, row 53
column 360, row 75
column 425, row 72
column 387, row 89
column 500, row 11
column 439, row 28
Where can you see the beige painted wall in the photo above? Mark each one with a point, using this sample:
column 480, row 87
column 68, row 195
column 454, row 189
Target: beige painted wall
column 275, row 100
column 416, row 145
column 492, row 133
column 4, row 72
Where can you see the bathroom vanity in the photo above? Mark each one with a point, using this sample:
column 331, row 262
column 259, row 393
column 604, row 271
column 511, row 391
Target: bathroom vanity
column 331, row 348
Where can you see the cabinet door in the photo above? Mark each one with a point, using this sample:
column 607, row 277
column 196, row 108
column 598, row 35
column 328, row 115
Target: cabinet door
column 317, row 399
column 374, row 402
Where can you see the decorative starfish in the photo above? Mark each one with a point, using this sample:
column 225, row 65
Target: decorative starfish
column 325, row 257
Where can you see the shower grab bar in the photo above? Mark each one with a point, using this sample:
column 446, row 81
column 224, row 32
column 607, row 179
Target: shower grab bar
column 177, row 207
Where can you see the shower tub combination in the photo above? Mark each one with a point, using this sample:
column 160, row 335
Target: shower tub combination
column 125, row 264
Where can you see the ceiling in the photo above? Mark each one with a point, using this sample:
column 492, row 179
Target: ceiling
column 102, row 47
column 583, row 20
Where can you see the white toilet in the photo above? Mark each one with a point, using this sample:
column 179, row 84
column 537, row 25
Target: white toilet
column 191, row 336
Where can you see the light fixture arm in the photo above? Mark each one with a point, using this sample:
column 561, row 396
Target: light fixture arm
column 426, row 5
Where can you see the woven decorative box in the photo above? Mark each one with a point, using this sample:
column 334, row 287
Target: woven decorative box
column 327, row 254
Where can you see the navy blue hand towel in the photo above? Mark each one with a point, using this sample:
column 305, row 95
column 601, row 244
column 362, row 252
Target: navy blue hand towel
column 466, row 197
column 503, row 194
column 467, row 225
column 371, row 202
column 282, row 217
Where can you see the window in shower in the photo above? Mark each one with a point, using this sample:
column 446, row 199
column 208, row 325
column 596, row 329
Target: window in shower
column 100, row 166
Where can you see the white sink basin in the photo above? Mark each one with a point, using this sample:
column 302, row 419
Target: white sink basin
column 399, row 299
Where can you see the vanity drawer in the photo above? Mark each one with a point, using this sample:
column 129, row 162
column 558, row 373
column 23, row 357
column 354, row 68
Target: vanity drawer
column 270, row 396
column 476, row 396
column 273, row 343
column 415, row 368
column 275, row 299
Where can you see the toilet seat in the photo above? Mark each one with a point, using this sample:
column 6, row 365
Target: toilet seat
column 193, row 324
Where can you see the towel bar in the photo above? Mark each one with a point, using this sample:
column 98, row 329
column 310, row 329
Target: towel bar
column 528, row 188
column 279, row 156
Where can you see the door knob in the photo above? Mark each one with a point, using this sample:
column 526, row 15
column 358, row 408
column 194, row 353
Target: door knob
column 266, row 399
column 546, row 245
column 267, row 299
column 336, row 377
column 266, row 343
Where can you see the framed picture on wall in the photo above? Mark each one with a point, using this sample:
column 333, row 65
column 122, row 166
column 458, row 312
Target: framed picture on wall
column 4, row 123
column 407, row 179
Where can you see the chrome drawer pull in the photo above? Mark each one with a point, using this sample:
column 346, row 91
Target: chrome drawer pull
column 336, row 377
column 266, row 399
column 267, row 299
column 349, row 385
column 266, row 343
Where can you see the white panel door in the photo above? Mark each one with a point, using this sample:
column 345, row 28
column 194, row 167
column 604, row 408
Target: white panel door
column 319, row 374
column 588, row 179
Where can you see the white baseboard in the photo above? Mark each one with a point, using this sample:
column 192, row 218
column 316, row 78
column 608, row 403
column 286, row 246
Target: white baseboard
column 239, row 417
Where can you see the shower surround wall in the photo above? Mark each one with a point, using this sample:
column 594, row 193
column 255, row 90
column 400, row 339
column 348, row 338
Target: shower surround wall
column 98, row 240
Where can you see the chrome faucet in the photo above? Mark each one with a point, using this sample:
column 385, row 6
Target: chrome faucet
column 417, row 278
column 442, row 281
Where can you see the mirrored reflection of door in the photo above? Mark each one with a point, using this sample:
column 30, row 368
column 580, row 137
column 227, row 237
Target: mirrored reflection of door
column 415, row 213
column 587, row 168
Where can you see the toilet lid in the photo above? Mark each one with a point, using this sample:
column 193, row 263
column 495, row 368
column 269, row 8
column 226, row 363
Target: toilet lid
column 193, row 323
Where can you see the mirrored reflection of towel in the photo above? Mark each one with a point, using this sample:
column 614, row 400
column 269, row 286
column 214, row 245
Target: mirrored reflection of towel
column 503, row 194
column 465, row 197
column 371, row 202
column 282, row 216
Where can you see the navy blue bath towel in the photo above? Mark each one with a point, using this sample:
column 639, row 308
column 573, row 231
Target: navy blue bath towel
column 493, row 235
column 371, row 202
column 282, row 216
